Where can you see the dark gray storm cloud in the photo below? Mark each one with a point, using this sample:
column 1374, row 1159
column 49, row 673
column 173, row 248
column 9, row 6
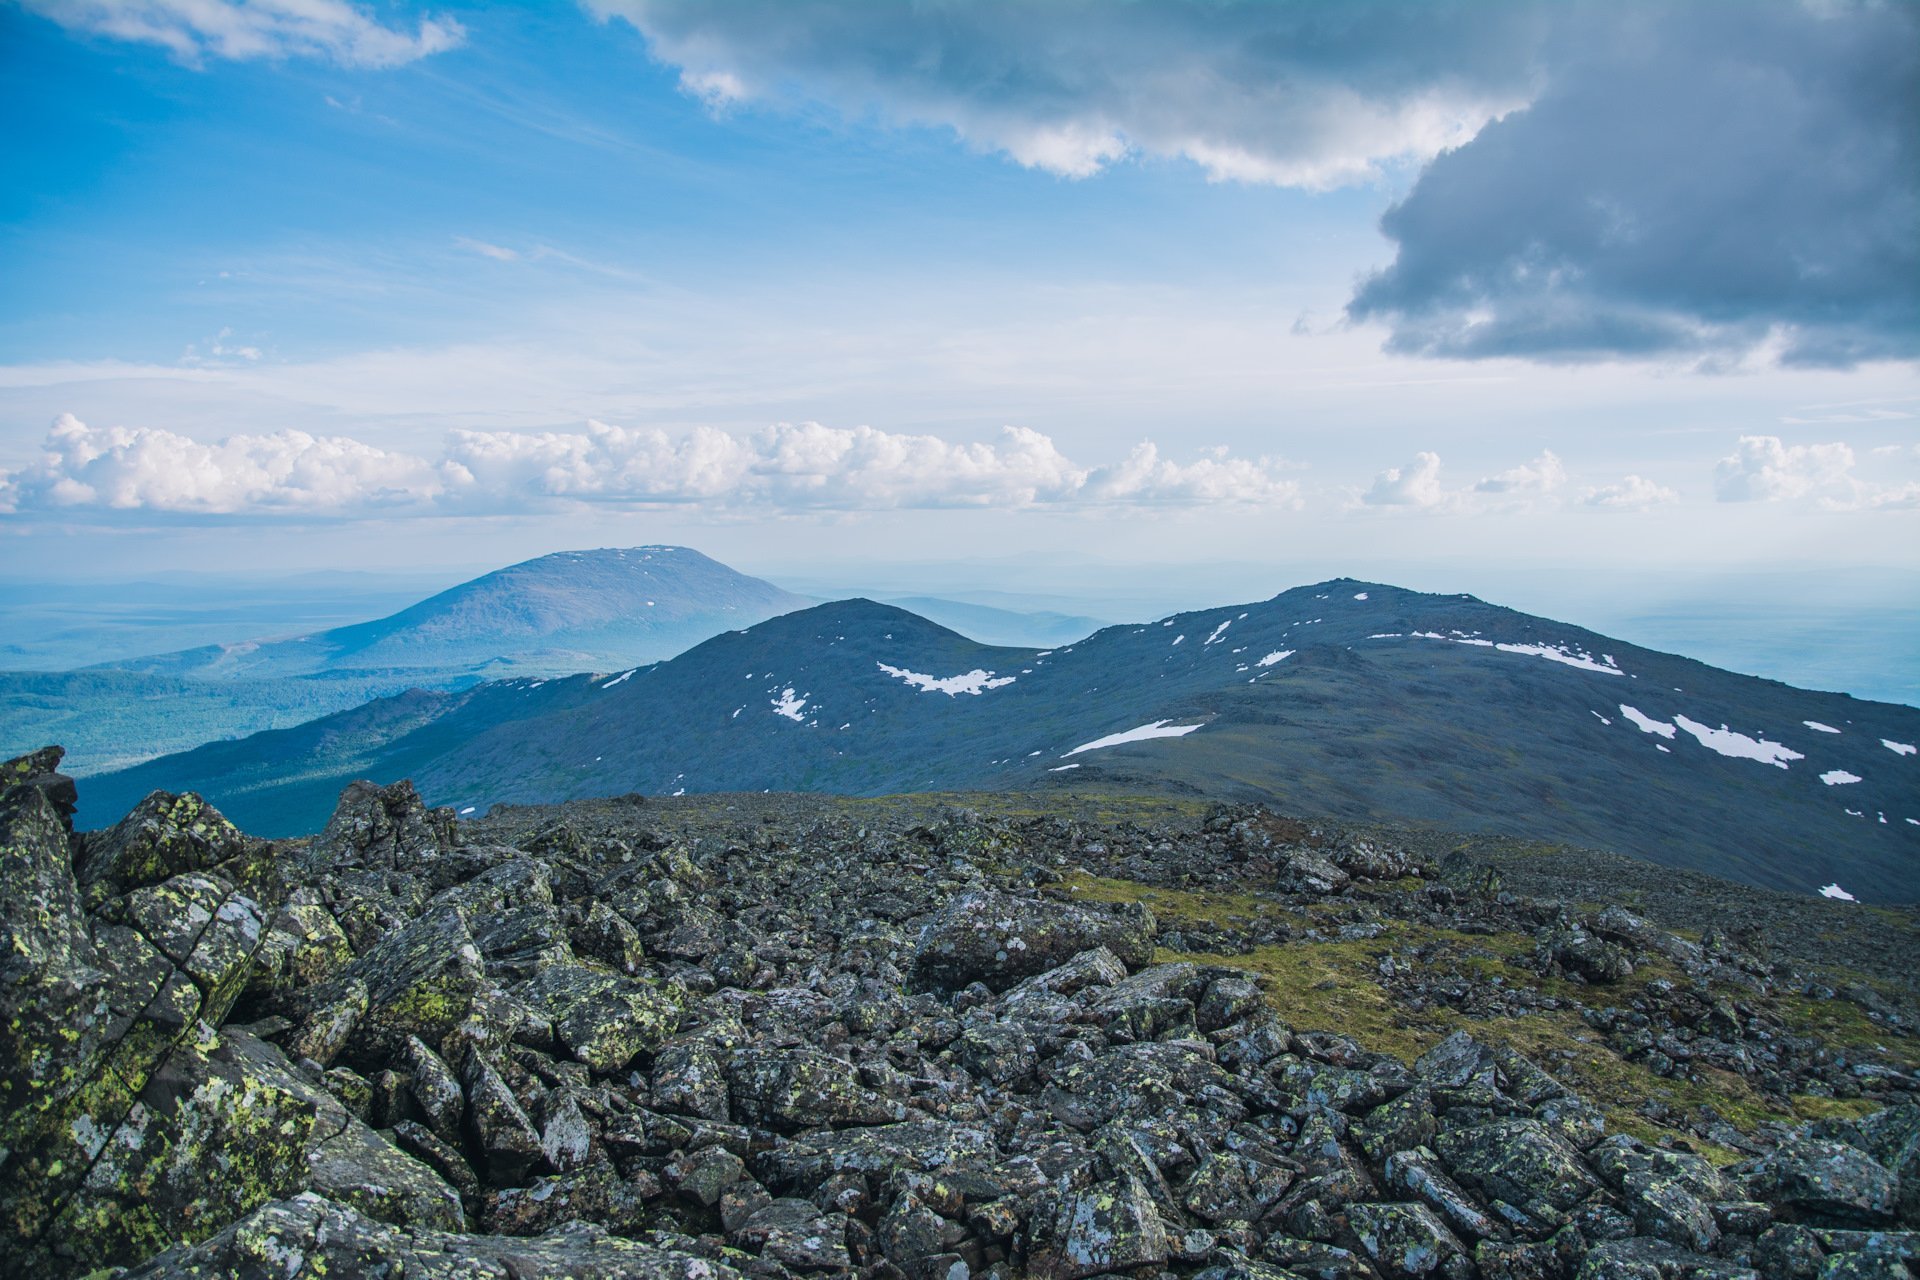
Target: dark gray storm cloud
column 1298, row 92
column 1699, row 180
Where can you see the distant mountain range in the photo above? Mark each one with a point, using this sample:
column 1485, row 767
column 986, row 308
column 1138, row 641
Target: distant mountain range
column 570, row 611
column 1348, row 699
column 558, row 614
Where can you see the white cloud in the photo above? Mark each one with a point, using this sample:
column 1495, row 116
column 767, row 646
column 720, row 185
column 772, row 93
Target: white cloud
column 786, row 467
column 1542, row 475
column 1415, row 485
column 193, row 30
column 1763, row 469
column 498, row 253
column 1251, row 91
column 1631, row 493
column 1144, row 476
column 121, row 469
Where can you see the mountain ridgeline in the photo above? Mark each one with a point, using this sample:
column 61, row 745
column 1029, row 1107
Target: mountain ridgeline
column 555, row 615
column 1348, row 699
column 566, row 611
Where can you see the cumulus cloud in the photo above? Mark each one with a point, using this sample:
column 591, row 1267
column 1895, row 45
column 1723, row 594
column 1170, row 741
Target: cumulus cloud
column 1542, row 475
column 1415, row 485
column 1629, row 494
column 1418, row 485
column 789, row 467
column 142, row 469
column 1709, row 182
column 1144, row 476
column 1763, row 469
column 1291, row 92
column 1766, row 469
column 193, row 30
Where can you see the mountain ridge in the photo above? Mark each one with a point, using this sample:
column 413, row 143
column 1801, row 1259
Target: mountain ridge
column 1346, row 698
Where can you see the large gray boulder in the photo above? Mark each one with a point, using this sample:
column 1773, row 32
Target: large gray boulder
column 999, row 939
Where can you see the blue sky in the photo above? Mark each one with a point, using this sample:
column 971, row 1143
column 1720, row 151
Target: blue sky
column 822, row 281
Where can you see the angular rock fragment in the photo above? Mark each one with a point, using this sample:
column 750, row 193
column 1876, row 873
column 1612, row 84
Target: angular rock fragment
column 1111, row 1226
column 603, row 1019
column 998, row 939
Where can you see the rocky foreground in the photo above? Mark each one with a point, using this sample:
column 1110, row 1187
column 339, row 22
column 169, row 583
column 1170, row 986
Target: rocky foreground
column 602, row 1042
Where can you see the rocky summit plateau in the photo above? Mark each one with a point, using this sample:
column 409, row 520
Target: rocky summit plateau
column 930, row 1037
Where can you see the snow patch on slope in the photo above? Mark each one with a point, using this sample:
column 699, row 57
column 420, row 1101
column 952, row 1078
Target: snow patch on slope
column 1738, row 745
column 974, row 682
column 1646, row 723
column 1158, row 729
column 1563, row 654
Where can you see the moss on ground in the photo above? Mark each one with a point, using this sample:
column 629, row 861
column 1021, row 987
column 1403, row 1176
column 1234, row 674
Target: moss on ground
column 1336, row 985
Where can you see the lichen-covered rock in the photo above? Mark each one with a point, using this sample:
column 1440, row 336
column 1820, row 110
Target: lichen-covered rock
column 1826, row 1182
column 384, row 829
column 207, row 1141
column 1407, row 1241
column 501, row 1127
column 999, row 939
column 597, row 1195
column 1519, row 1161
column 40, row 770
column 1112, row 1226
column 797, row 1235
column 797, row 1088
column 310, row 1238
column 1642, row 1258
column 166, row 835
column 303, row 947
column 435, row 1089
column 1417, row 1173
column 703, row 1176
column 1229, row 1186
column 1573, row 951
column 605, row 1020
column 690, row 1078
column 53, row 1010
column 607, row 936
column 421, row 981
column 358, row 1167
column 804, row 1163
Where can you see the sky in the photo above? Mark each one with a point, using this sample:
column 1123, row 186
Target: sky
column 813, row 285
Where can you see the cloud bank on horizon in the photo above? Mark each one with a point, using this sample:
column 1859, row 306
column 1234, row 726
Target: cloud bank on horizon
column 1704, row 181
column 789, row 466
column 110, row 473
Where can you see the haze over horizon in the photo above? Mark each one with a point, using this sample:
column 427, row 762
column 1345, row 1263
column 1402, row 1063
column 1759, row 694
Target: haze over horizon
column 817, row 288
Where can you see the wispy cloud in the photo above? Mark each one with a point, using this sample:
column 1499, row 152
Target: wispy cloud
column 242, row 29
column 498, row 253
column 788, row 467
column 194, row 30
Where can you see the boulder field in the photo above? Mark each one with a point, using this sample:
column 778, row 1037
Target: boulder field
column 570, row 1043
